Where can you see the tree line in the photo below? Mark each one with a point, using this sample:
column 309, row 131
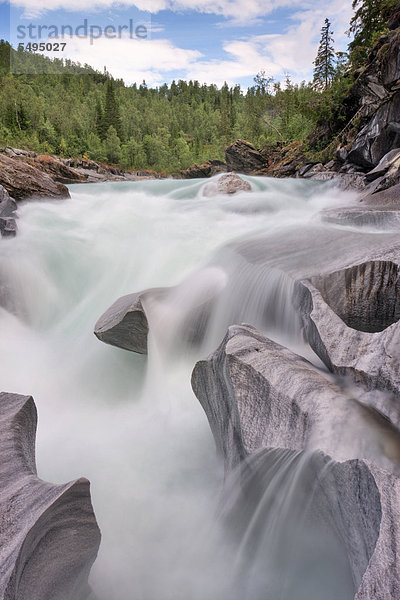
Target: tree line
column 61, row 107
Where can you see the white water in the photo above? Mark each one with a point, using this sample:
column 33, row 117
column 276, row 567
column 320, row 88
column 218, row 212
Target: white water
column 136, row 431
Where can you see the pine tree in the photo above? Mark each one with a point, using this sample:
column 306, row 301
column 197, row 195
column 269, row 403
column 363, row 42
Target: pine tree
column 324, row 64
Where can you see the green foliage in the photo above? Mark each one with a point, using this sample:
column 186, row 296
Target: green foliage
column 58, row 106
column 112, row 146
column 72, row 110
column 368, row 23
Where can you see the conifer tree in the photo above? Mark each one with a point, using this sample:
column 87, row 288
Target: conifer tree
column 324, row 64
column 111, row 111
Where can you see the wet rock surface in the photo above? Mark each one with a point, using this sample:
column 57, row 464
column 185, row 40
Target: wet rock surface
column 181, row 313
column 260, row 397
column 49, row 535
column 230, row 183
column 125, row 324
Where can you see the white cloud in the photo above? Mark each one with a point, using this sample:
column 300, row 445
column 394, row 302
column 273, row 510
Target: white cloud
column 236, row 10
column 158, row 61
column 132, row 60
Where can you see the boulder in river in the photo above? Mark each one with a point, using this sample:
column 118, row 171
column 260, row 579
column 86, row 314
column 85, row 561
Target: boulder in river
column 49, row 535
column 229, row 183
column 180, row 314
column 125, row 324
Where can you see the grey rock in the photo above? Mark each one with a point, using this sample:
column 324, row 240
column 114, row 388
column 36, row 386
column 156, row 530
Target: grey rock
column 389, row 197
column 8, row 207
column 49, row 535
column 303, row 170
column 367, row 216
column 229, row 183
column 23, row 181
column 351, row 320
column 378, row 137
column 207, row 169
column 125, row 324
column 258, row 396
column 305, row 520
column 390, row 159
column 8, row 227
column 180, row 314
column 344, row 181
column 318, row 168
column 341, row 154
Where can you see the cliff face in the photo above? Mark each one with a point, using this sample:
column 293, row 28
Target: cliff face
column 377, row 94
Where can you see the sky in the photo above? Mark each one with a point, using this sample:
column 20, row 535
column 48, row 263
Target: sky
column 209, row 40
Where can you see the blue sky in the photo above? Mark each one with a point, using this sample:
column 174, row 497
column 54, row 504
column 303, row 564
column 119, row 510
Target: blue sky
column 208, row 40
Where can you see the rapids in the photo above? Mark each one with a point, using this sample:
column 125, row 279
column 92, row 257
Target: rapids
column 130, row 424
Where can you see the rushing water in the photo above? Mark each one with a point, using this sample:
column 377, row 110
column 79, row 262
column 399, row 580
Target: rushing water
column 130, row 424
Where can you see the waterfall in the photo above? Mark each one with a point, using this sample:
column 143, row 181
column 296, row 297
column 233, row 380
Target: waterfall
column 130, row 424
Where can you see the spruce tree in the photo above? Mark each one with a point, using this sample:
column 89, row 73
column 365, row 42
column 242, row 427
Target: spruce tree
column 324, row 64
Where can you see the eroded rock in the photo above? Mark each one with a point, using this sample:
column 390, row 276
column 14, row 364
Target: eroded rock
column 179, row 315
column 258, row 394
column 124, row 324
column 260, row 397
column 49, row 535
column 339, row 331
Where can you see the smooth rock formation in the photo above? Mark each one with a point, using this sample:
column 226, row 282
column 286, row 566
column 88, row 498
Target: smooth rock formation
column 243, row 157
column 306, row 526
column 377, row 217
column 23, row 181
column 179, row 315
column 259, row 395
column 230, row 183
column 351, row 320
column 49, row 537
column 125, row 324
column 391, row 159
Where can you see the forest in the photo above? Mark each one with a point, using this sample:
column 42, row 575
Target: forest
column 72, row 110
